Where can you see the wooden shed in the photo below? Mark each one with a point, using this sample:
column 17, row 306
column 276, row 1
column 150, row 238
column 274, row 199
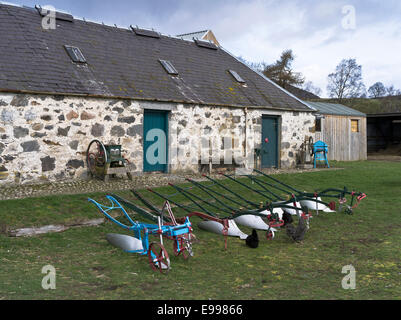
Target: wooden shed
column 343, row 129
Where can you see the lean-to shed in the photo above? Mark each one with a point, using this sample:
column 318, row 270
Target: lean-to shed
column 343, row 129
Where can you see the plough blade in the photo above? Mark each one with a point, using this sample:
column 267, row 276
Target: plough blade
column 294, row 212
column 126, row 243
column 218, row 228
column 316, row 206
column 278, row 211
column 253, row 222
column 164, row 266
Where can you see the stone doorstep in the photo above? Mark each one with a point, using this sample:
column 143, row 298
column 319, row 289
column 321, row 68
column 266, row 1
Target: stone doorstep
column 31, row 232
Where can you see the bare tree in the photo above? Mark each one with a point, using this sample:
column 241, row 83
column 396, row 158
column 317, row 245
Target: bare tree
column 281, row 71
column 309, row 86
column 258, row 66
column 391, row 91
column 377, row 90
column 346, row 81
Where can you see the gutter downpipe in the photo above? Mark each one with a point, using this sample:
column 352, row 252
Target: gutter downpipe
column 246, row 137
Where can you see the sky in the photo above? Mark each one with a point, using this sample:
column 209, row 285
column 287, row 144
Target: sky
column 320, row 32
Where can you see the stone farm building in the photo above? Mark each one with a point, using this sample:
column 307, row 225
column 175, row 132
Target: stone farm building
column 61, row 88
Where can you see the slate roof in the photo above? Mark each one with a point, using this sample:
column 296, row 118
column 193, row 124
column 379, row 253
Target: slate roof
column 123, row 64
column 335, row 109
column 301, row 93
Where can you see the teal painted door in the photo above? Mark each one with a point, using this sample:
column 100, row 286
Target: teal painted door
column 270, row 142
column 155, row 134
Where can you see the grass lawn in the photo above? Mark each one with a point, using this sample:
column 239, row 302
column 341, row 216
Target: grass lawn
column 89, row 268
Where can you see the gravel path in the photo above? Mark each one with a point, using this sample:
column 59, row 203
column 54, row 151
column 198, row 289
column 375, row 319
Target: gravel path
column 90, row 186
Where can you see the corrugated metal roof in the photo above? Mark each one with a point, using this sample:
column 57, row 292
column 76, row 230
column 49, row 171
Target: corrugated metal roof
column 335, row 109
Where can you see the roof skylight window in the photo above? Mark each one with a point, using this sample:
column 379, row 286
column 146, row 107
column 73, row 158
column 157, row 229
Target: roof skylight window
column 168, row 66
column 205, row 44
column 236, row 76
column 145, row 32
column 75, row 54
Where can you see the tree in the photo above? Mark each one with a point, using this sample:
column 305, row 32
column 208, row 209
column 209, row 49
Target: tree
column 391, row 91
column 346, row 81
column 311, row 88
column 377, row 90
column 258, row 66
column 281, row 71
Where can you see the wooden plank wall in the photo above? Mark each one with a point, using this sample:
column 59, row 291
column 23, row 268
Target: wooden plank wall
column 344, row 145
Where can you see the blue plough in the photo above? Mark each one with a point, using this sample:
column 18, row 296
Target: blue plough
column 158, row 257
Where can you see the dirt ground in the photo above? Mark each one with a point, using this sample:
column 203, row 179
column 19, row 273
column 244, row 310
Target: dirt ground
column 392, row 154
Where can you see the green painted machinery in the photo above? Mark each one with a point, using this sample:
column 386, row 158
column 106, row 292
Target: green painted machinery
column 104, row 161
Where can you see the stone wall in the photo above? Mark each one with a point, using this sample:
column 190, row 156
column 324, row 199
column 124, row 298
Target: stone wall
column 44, row 138
column 188, row 124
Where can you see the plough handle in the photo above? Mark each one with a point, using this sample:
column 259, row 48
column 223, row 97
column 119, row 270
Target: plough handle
column 278, row 181
column 200, row 186
column 359, row 199
column 115, row 206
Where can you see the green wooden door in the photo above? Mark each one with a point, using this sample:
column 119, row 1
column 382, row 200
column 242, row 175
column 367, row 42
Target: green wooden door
column 270, row 142
column 155, row 134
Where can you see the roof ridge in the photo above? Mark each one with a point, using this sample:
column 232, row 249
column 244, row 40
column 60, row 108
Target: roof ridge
column 188, row 34
column 82, row 19
column 101, row 23
column 270, row 81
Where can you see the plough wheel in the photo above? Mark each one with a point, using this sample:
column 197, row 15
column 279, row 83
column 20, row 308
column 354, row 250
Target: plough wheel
column 185, row 247
column 349, row 210
column 158, row 258
column 270, row 235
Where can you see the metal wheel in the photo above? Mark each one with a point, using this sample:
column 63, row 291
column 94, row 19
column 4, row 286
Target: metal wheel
column 96, row 159
column 270, row 235
column 158, row 258
column 349, row 210
column 183, row 245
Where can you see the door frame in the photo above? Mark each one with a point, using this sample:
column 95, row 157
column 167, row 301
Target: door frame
column 278, row 118
column 166, row 119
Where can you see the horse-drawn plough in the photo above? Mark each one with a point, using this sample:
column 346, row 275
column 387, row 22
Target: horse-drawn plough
column 157, row 254
column 222, row 208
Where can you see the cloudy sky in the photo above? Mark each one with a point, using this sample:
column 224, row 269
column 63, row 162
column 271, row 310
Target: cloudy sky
column 320, row 32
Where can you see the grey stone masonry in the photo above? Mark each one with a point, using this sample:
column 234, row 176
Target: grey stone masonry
column 45, row 138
